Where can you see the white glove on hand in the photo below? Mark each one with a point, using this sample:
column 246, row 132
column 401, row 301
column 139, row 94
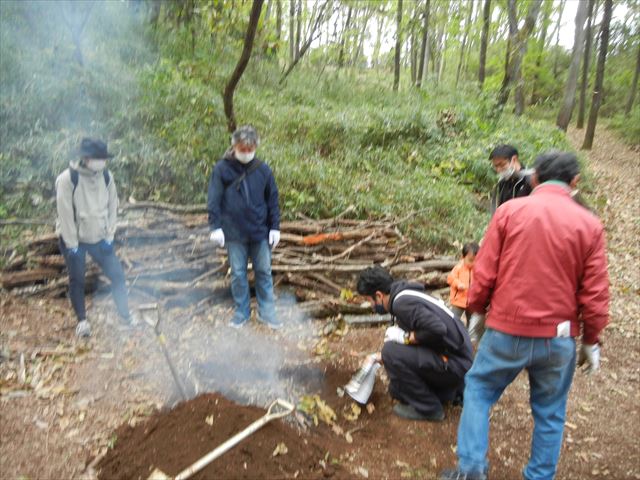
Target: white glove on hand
column 589, row 354
column 394, row 334
column 274, row 238
column 217, row 236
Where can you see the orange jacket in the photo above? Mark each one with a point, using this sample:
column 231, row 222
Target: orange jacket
column 460, row 276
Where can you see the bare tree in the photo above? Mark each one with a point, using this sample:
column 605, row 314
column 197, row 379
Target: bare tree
column 585, row 66
column 599, row 83
column 278, row 20
column 634, row 87
column 396, row 63
column 518, row 50
column 298, row 26
column 486, row 22
column 345, row 35
column 557, row 34
column 424, row 50
column 292, row 30
column 311, row 37
column 542, row 42
column 467, row 27
column 227, row 96
column 569, row 100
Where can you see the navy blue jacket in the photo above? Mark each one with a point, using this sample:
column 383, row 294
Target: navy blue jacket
column 245, row 212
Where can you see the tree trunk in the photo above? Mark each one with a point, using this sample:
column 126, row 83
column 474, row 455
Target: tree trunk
column 518, row 50
column 396, row 63
column 424, row 51
column 464, row 42
column 298, row 27
column 292, row 30
column 555, row 52
column 413, row 56
column 249, row 37
column 634, row 87
column 375, row 59
column 278, row 20
column 486, row 23
column 569, row 100
column 345, row 34
column 513, row 30
column 585, row 66
column 542, row 42
column 597, row 88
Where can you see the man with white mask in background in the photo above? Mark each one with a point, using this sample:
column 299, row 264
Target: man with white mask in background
column 87, row 204
column 513, row 180
column 244, row 215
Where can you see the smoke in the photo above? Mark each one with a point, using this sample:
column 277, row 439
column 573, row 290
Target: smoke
column 68, row 69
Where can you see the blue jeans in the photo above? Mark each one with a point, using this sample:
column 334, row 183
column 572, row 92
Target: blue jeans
column 260, row 254
column 550, row 363
column 110, row 265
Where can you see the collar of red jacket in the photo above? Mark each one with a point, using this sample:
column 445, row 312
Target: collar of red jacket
column 552, row 186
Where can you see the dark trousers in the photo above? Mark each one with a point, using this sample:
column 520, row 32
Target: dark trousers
column 420, row 377
column 110, row 265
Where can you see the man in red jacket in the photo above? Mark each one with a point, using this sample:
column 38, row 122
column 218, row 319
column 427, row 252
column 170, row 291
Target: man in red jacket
column 542, row 274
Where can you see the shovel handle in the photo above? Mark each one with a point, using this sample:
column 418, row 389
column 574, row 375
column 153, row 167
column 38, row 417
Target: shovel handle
column 278, row 409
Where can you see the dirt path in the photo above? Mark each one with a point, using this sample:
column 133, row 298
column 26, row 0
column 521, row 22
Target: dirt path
column 61, row 410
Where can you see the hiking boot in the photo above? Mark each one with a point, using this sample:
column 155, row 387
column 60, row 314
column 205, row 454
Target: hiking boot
column 456, row 474
column 237, row 321
column 407, row 411
column 83, row 329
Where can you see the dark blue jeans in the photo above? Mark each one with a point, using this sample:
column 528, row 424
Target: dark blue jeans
column 105, row 257
column 260, row 254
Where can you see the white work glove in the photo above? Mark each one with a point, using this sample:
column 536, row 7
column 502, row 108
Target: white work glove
column 274, row 238
column 589, row 354
column 395, row 334
column 217, row 236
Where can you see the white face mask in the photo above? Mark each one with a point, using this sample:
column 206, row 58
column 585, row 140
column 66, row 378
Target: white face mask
column 507, row 173
column 245, row 157
column 96, row 165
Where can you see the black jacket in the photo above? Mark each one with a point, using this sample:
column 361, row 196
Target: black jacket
column 517, row 186
column 246, row 211
column 435, row 328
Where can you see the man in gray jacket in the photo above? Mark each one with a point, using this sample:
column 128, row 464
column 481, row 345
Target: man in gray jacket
column 87, row 204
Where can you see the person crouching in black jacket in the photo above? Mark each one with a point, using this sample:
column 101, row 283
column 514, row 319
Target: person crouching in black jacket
column 426, row 352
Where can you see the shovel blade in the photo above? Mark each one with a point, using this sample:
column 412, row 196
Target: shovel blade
column 158, row 474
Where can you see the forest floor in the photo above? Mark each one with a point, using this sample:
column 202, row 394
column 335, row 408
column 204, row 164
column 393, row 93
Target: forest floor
column 72, row 409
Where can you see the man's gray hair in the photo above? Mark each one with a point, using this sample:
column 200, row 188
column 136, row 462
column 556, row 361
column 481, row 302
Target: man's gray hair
column 246, row 135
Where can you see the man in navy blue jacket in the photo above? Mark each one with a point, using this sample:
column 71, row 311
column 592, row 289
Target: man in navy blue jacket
column 244, row 215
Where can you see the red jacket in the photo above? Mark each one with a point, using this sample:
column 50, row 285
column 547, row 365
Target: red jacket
column 543, row 262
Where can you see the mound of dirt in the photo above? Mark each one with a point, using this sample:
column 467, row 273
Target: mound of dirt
column 172, row 440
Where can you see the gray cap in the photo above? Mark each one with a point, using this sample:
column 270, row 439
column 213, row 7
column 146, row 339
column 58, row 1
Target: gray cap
column 246, row 135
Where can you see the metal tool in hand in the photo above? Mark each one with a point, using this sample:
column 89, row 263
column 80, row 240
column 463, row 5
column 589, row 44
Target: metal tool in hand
column 278, row 409
column 150, row 312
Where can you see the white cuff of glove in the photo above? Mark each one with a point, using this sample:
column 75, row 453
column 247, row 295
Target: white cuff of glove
column 395, row 334
column 274, row 238
column 217, row 237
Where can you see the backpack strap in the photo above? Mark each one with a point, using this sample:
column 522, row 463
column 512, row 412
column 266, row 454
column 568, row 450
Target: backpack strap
column 254, row 166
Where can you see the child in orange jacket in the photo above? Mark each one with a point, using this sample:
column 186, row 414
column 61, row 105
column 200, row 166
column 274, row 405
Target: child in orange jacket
column 460, row 280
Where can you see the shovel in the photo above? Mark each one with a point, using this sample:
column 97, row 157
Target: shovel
column 278, row 409
column 154, row 321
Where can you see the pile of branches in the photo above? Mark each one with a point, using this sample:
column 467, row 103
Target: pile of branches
column 168, row 258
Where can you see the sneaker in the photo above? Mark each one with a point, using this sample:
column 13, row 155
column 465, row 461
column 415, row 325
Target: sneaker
column 274, row 324
column 407, row 411
column 456, row 474
column 237, row 321
column 83, row 329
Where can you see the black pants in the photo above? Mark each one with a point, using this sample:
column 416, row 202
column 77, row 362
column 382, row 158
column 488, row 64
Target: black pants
column 111, row 267
column 420, row 377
